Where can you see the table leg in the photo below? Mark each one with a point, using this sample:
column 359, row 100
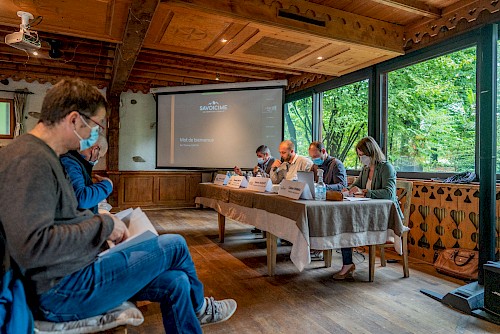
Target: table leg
column 371, row 264
column 272, row 249
column 222, row 226
column 327, row 257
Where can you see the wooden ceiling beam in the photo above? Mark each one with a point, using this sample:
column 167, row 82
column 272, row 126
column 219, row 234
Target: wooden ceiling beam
column 172, row 77
column 305, row 17
column 139, row 18
column 413, row 6
column 195, row 70
column 44, row 77
column 165, row 73
column 26, row 68
column 164, row 82
column 54, row 64
column 153, row 54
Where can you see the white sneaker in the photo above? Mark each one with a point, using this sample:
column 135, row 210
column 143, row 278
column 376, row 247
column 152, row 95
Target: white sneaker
column 316, row 255
column 217, row 311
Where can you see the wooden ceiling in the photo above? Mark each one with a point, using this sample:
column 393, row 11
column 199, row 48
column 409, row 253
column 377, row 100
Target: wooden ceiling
column 137, row 45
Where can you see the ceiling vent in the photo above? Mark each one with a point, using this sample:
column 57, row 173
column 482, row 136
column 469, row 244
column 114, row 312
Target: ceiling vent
column 304, row 19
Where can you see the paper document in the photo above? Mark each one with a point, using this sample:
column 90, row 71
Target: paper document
column 353, row 199
column 139, row 226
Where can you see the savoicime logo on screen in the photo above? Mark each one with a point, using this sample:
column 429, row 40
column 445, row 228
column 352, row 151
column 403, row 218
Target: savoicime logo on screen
column 213, row 106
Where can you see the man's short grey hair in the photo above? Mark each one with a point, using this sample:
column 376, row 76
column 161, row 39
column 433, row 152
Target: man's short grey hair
column 103, row 145
column 263, row 149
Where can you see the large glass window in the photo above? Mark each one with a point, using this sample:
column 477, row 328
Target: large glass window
column 432, row 114
column 298, row 124
column 345, row 120
column 6, row 119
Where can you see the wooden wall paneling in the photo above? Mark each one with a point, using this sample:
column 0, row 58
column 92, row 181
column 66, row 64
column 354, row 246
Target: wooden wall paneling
column 136, row 190
column 418, row 234
column 466, row 233
column 193, row 181
column 171, row 188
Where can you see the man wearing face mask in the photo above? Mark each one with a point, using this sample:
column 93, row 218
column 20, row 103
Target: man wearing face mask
column 290, row 163
column 334, row 174
column 56, row 246
column 264, row 162
column 78, row 166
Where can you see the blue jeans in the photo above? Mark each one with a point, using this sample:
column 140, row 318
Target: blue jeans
column 159, row 270
column 346, row 256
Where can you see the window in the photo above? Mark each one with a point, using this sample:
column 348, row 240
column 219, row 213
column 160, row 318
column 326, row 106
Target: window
column 432, row 114
column 298, row 124
column 7, row 120
column 345, row 121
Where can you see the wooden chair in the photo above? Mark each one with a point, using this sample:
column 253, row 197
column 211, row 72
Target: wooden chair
column 405, row 189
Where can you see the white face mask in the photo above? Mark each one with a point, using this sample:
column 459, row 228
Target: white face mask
column 365, row 160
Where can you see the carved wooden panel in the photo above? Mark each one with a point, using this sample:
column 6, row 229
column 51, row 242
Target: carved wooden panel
column 345, row 44
column 445, row 216
column 99, row 19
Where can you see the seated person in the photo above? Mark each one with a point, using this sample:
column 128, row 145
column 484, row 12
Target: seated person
column 264, row 162
column 56, row 246
column 376, row 180
column 334, row 174
column 290, row 163
column 78, row 166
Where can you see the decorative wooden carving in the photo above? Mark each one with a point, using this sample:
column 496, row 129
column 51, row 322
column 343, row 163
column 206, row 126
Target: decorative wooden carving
column 457, row 18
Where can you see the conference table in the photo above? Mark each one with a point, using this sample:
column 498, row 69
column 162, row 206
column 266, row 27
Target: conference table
column 307, row 224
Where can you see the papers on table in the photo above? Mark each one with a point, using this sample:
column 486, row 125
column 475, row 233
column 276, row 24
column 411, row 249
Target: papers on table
column 354, row 199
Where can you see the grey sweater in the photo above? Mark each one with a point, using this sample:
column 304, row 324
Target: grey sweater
column 46, row 235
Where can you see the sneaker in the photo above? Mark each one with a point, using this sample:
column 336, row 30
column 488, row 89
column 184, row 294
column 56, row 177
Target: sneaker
column 217, row 311
column 316, row 255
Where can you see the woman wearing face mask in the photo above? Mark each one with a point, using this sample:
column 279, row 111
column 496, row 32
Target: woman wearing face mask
column 376, row 180
column 78, row 166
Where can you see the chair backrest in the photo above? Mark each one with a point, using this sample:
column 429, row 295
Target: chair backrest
column 406, row 193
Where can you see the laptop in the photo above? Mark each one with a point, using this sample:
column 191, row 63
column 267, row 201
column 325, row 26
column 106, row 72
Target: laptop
column 307, row 178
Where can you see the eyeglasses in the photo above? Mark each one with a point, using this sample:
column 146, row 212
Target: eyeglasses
column 101, row 128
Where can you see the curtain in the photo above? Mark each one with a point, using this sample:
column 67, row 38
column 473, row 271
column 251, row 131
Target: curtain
column 19, row 103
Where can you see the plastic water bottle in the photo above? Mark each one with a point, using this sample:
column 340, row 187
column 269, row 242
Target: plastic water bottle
column 320, row 188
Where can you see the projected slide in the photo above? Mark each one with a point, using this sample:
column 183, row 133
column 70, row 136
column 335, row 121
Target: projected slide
column 217, row 129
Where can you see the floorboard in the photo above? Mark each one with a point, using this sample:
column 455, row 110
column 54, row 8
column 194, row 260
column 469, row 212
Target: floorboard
column 309, row 301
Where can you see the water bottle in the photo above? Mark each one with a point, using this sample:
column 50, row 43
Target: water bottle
column 320, row 188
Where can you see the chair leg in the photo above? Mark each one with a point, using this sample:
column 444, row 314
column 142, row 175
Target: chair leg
column 406, row 269
column 371, row 265
column 327, row 257
column 383, row 262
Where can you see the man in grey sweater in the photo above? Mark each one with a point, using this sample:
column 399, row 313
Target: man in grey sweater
column 56, row 246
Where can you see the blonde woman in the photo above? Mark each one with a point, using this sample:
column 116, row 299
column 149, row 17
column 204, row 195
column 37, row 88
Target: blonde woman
column 376, row 180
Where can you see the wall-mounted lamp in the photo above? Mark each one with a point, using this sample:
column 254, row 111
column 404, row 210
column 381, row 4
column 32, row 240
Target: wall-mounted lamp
column 217, row 76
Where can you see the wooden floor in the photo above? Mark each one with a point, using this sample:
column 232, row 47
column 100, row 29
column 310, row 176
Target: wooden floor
column 308, row 301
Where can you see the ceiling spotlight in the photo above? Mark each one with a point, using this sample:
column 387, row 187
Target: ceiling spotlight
column 223, row 40
column 35, row 53
column 217, row 76
column 319, row 58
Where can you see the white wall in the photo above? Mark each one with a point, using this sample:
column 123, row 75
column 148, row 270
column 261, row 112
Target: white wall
column 137, row 132
column 34, row 103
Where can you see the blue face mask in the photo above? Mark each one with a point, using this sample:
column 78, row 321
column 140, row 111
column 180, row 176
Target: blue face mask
column 318, row 161
column 93, row 163
column 260, row 161
column 94, row 135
